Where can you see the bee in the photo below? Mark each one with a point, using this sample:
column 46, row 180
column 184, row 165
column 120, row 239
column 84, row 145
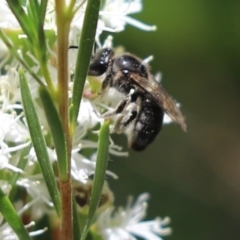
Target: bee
column 144, row 101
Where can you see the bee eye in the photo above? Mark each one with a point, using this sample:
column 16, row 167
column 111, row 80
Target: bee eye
column 100, row 62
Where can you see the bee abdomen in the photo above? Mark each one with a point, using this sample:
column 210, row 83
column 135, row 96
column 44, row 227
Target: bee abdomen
column 147, row 125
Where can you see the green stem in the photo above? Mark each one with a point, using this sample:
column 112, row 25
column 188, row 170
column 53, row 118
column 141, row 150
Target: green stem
column 63, row 19
column 63, row 26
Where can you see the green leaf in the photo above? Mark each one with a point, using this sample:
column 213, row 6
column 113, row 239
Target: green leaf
column 37, row 15
column 38, row 142
column 76, row 221
column 25, row 22
column 57, row 133
column 34, row 11
column 41, row 32
column 99, row 176
column 12, row 218
column 39, row 44
column 43, row 7
column 84, row 55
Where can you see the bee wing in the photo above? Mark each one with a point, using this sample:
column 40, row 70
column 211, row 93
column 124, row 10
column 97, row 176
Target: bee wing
column 162, row 98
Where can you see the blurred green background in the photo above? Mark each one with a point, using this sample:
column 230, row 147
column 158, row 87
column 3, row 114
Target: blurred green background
column 192, row 177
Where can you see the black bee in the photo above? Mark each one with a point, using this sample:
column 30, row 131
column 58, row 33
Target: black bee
column 140, row 113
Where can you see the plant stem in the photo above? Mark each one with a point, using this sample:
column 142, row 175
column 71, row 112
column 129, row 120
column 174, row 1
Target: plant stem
column 67, row 219
column 63, row 18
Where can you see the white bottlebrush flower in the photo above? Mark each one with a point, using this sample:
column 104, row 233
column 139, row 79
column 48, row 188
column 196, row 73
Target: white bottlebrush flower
column 88, row 115
column 82, row 167
column 113, row 18
column 11, row 130
column 7, row 19
column 36, row 188
column 114, row 15
column 7, row 233
column 126, row 223
column 9, row 85
column 4, row 163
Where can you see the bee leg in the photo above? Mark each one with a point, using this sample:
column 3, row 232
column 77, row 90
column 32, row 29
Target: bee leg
column 124, row 121
column 106, row 82
column 120, row 107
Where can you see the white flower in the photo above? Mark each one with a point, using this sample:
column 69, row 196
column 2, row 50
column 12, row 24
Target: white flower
column 4, row 163
column 7, row 19
column 7, row 233
column 11, row 130
column 114, row 14
column 82, row 167
column 36, row 188
column 125, row 223
column 113, row 18
column 88, row 115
